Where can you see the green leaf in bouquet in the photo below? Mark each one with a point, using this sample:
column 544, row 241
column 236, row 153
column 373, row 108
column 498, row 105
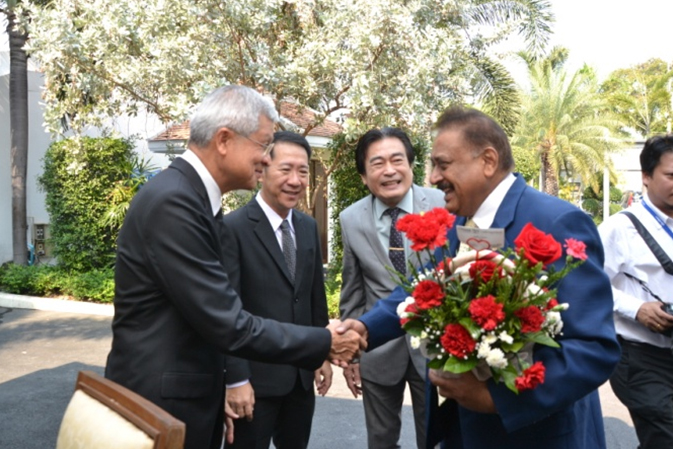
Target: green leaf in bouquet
column 471, row 326
column 513, row 347
column 414, row 327
column 509, row 376
column 543, row 339
column 458, row 366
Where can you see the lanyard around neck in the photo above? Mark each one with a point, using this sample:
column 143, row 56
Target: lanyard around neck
column 659, row 220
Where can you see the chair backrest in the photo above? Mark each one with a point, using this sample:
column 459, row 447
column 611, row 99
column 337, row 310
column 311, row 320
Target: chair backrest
column 102, row 414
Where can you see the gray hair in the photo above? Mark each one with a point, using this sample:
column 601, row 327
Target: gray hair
column 235, row 107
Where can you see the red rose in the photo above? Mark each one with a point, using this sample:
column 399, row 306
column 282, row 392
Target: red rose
column 531, row 319
column 427, row 230
column 428, row 294
column 486, row 312
column 531, row 377
column 457, row 340
column 576, row 249
column 537, row 246
column 484, row 270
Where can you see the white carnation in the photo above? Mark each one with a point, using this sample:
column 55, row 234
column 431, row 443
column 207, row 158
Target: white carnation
column 505, row 338
column 489, row 338
column 483, row 350
column 496, row 359
column 414, row 342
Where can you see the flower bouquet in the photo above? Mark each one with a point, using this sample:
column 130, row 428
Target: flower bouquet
column 484, row 310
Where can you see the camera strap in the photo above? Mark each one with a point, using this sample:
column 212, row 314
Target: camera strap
column 658, row 252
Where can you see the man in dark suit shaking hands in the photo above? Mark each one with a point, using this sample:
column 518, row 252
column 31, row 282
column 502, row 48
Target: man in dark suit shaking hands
column 176, row 313
column 272, row 254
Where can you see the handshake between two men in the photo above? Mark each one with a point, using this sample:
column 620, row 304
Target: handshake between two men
column 348, row 339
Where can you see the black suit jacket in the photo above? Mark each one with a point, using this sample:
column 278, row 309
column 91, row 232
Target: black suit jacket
column 176, row 313
column 257, row 270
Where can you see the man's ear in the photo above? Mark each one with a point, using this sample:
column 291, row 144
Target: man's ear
column 491, row 161
column 364, row 179
column 222, row 140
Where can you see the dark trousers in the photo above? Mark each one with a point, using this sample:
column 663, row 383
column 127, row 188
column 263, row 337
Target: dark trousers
column 643, row 382
column 285, row 419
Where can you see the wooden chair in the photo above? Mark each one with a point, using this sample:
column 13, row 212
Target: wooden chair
column 102, row 414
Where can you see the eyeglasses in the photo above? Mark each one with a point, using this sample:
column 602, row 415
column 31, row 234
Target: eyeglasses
column 267, row 146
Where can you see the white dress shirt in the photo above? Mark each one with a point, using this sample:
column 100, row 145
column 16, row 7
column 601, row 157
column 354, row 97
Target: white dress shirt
column 485, row 215
column 627, row 252
column 213, row 190
column 276, row 220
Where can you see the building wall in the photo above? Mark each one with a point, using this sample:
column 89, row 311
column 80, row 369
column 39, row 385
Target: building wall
column 140, row 128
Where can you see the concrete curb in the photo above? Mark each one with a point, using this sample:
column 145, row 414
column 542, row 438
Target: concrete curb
column 57, row 305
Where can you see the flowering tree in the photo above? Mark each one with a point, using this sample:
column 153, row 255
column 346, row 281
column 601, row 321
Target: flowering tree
column 383, row 62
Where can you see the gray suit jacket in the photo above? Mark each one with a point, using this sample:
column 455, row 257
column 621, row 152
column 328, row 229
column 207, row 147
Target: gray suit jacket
column 366, row 280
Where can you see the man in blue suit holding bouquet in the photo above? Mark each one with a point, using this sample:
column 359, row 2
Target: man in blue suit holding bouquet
column 472, row 164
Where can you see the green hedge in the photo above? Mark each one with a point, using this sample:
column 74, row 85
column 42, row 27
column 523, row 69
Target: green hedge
column 80, row 175
column 45, row 280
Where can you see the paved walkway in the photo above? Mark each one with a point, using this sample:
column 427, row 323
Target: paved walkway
column 44, row 343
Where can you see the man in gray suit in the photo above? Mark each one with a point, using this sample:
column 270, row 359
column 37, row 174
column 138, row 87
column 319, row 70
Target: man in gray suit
column 384, row 159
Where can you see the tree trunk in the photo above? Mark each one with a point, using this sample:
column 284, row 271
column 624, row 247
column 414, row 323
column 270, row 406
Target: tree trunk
column 549, row 176
column 18, row 105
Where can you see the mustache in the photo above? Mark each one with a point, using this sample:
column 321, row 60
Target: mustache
column 444, row 185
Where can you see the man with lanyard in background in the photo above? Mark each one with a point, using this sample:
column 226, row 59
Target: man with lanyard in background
column 638, row 246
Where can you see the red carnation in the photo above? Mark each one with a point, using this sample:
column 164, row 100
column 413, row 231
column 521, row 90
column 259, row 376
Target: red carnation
column 576, row 248
column 531, row 319
column 486, row 312
column 537, row 246
column 484, row 270
column 531, row 377
column 551, row 304
column 457, row 340
column 427, row 230
column 428, row 294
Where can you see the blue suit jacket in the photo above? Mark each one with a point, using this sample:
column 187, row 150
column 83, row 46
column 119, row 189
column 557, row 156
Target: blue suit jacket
column 564, row 412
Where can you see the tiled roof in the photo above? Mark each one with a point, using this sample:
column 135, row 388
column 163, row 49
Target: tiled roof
column 289, row 111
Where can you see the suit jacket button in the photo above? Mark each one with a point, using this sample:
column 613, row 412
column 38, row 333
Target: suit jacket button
column 296, row 299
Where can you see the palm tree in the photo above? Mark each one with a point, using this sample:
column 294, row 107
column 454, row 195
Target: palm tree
column 564, row 121
column 18, row 105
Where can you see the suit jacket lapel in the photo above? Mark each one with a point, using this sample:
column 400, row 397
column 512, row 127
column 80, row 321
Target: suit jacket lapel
column 266, row 235
column 368, row 229
column 505, row 215
column 303, row 244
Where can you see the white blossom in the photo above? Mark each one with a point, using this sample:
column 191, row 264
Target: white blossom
column 496, row 359
column 505, row 337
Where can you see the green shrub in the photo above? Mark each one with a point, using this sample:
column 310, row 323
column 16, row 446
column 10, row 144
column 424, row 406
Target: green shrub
column 19, row 279
column 46, row 280
column 79, row 177
column 95, row 285
column 333, row 292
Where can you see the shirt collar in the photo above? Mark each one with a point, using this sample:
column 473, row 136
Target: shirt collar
column 274, row 219
column 485, row 215
column 406, row 204
column 665, row 218
column 212, row 189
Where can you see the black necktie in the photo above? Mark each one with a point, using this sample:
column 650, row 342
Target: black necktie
column 396, row 243
column 288, row 248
